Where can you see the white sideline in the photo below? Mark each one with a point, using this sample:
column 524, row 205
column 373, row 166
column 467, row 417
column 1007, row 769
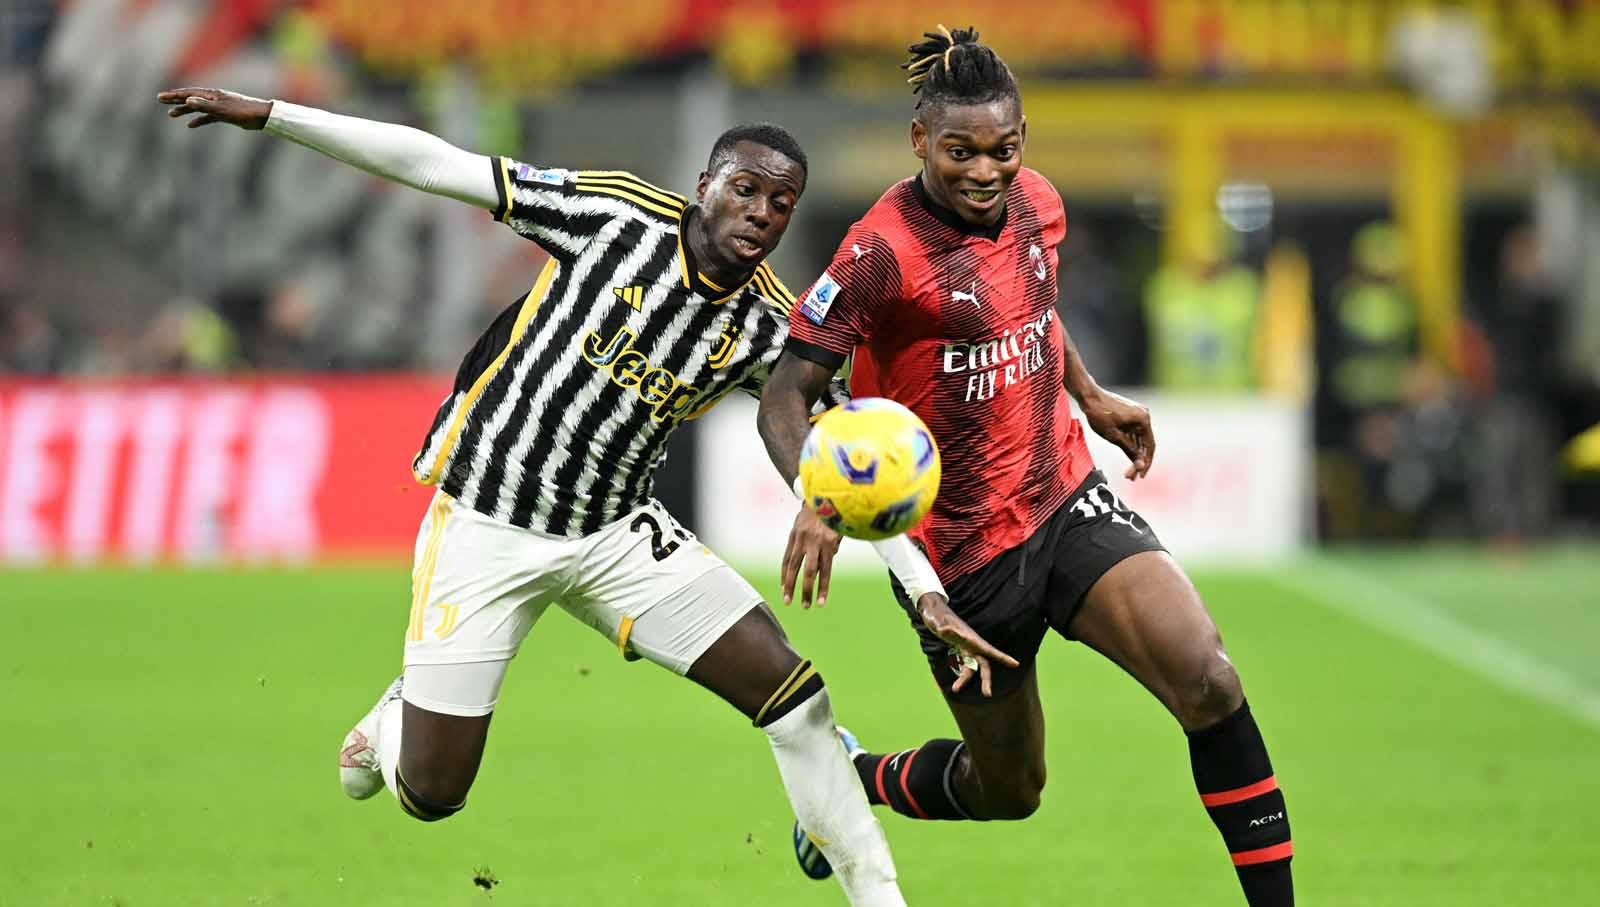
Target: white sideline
column 1402, row 615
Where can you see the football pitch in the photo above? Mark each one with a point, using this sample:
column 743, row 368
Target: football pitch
column 170, row 739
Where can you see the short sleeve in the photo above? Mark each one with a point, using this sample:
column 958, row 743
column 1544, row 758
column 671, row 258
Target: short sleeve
column 771, row 346
column 551, row 206
column 839, row 311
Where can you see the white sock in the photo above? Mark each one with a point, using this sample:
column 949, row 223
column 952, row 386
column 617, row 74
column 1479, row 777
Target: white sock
column 388, row 743
column 828, row 800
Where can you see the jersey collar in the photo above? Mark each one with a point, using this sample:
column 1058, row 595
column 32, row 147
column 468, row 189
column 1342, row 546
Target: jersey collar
column 689, row 270
column 953, row 220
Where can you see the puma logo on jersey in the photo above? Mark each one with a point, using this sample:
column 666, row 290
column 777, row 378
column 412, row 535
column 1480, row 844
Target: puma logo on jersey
column 856, row 250
column 633, row 296
column 968, row 295
column 631, row 369
column 1036, row 258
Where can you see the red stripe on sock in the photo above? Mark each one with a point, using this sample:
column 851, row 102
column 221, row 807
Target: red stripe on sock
column 907, row 790
column 1264, row 854
column 1238, row 794
column 883, row 795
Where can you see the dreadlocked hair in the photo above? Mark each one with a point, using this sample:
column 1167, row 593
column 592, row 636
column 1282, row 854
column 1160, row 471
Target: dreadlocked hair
column 952, row 67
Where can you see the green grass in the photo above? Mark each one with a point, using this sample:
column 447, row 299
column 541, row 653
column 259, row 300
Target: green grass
column 170, row 740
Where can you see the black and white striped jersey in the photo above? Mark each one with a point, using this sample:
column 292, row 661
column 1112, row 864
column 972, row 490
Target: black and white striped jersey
column 561, row 411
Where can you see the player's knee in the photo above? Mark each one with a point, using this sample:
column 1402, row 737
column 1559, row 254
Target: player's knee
column 1014, row 804
column 1017, row 798
column 430, row 803
column 1211, row 693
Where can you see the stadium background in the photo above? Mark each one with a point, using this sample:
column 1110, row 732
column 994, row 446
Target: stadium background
column 1347, row 251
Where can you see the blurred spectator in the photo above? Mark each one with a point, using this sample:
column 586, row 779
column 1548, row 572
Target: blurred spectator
column 1374, row 339
column 29, row 342
column 1368, row 348
column 187, row 336
column 286, row 339
column 1284, row 365
column 110, row 350
column 1097, row 312
column 1519, row 435
column 1201, row 318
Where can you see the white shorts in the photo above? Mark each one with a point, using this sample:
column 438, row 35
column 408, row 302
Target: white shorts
column 479, row 585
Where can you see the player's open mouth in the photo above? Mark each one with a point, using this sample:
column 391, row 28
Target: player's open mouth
column 747, row 247
column 980, row 196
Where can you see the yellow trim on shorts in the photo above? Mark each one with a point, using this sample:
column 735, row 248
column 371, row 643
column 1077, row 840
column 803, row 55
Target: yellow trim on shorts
column 624, row 629
column 422, row 579
column 530, row 304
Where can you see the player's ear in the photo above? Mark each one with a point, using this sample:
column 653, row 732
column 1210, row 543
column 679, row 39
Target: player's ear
column 1022, row 130
column 701, row 186
column 919, row 137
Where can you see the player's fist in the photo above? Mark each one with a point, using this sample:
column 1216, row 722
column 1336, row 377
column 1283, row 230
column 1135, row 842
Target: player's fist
column 216, row 106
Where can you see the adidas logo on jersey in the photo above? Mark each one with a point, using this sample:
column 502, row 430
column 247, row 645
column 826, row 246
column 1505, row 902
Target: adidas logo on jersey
column 633, row 296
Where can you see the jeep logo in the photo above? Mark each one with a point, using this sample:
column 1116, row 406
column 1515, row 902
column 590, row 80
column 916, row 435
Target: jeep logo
column 630, row 368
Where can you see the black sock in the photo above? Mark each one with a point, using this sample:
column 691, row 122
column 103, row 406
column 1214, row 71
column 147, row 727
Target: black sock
column 914, row 783
column 1236, row 784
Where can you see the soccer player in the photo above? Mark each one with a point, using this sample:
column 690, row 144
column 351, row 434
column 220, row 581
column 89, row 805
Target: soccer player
column 650, row 310
column 945, row 294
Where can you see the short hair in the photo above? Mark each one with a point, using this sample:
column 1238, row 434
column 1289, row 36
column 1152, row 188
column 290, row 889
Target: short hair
column 952, row 67
column 771, row 135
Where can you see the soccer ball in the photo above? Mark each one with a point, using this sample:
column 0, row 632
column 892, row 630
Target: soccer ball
column 869, row 469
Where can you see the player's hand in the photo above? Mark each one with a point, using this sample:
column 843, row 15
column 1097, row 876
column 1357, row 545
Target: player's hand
column 1125, row 424
column 811, row 548
column 977, row 656
column 216, row 106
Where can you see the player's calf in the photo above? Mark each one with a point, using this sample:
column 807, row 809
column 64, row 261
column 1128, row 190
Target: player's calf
column 1241, row 794
column 438, row 761
column 937, row 780
column 830, row 810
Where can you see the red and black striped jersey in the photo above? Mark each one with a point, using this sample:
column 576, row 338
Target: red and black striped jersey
column 959, row 323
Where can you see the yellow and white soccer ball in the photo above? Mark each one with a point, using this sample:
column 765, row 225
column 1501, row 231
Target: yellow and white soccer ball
column 870, row 469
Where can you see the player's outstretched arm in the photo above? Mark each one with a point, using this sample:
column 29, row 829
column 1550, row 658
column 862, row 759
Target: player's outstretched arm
column 784, row 418
column 784, row 421
column 1112, row 416
column 409, row 156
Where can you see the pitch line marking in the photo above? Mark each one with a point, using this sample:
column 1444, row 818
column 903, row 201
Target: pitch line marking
column 1404, row 616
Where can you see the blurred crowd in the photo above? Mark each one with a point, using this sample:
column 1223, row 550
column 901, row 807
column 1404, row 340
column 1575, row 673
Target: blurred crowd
column 1408, row 446
column 1409, row 442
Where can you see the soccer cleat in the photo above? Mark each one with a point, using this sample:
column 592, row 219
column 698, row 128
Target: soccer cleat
column 359, row 772
column 806, row 851
column 809, row 855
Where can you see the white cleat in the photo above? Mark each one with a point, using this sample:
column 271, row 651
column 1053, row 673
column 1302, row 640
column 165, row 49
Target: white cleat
column 359, row 772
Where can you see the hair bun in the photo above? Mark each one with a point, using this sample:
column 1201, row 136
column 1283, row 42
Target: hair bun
column 935, row 69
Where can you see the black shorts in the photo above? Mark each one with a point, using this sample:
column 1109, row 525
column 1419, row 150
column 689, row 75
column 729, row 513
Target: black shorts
column 1039, row 585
